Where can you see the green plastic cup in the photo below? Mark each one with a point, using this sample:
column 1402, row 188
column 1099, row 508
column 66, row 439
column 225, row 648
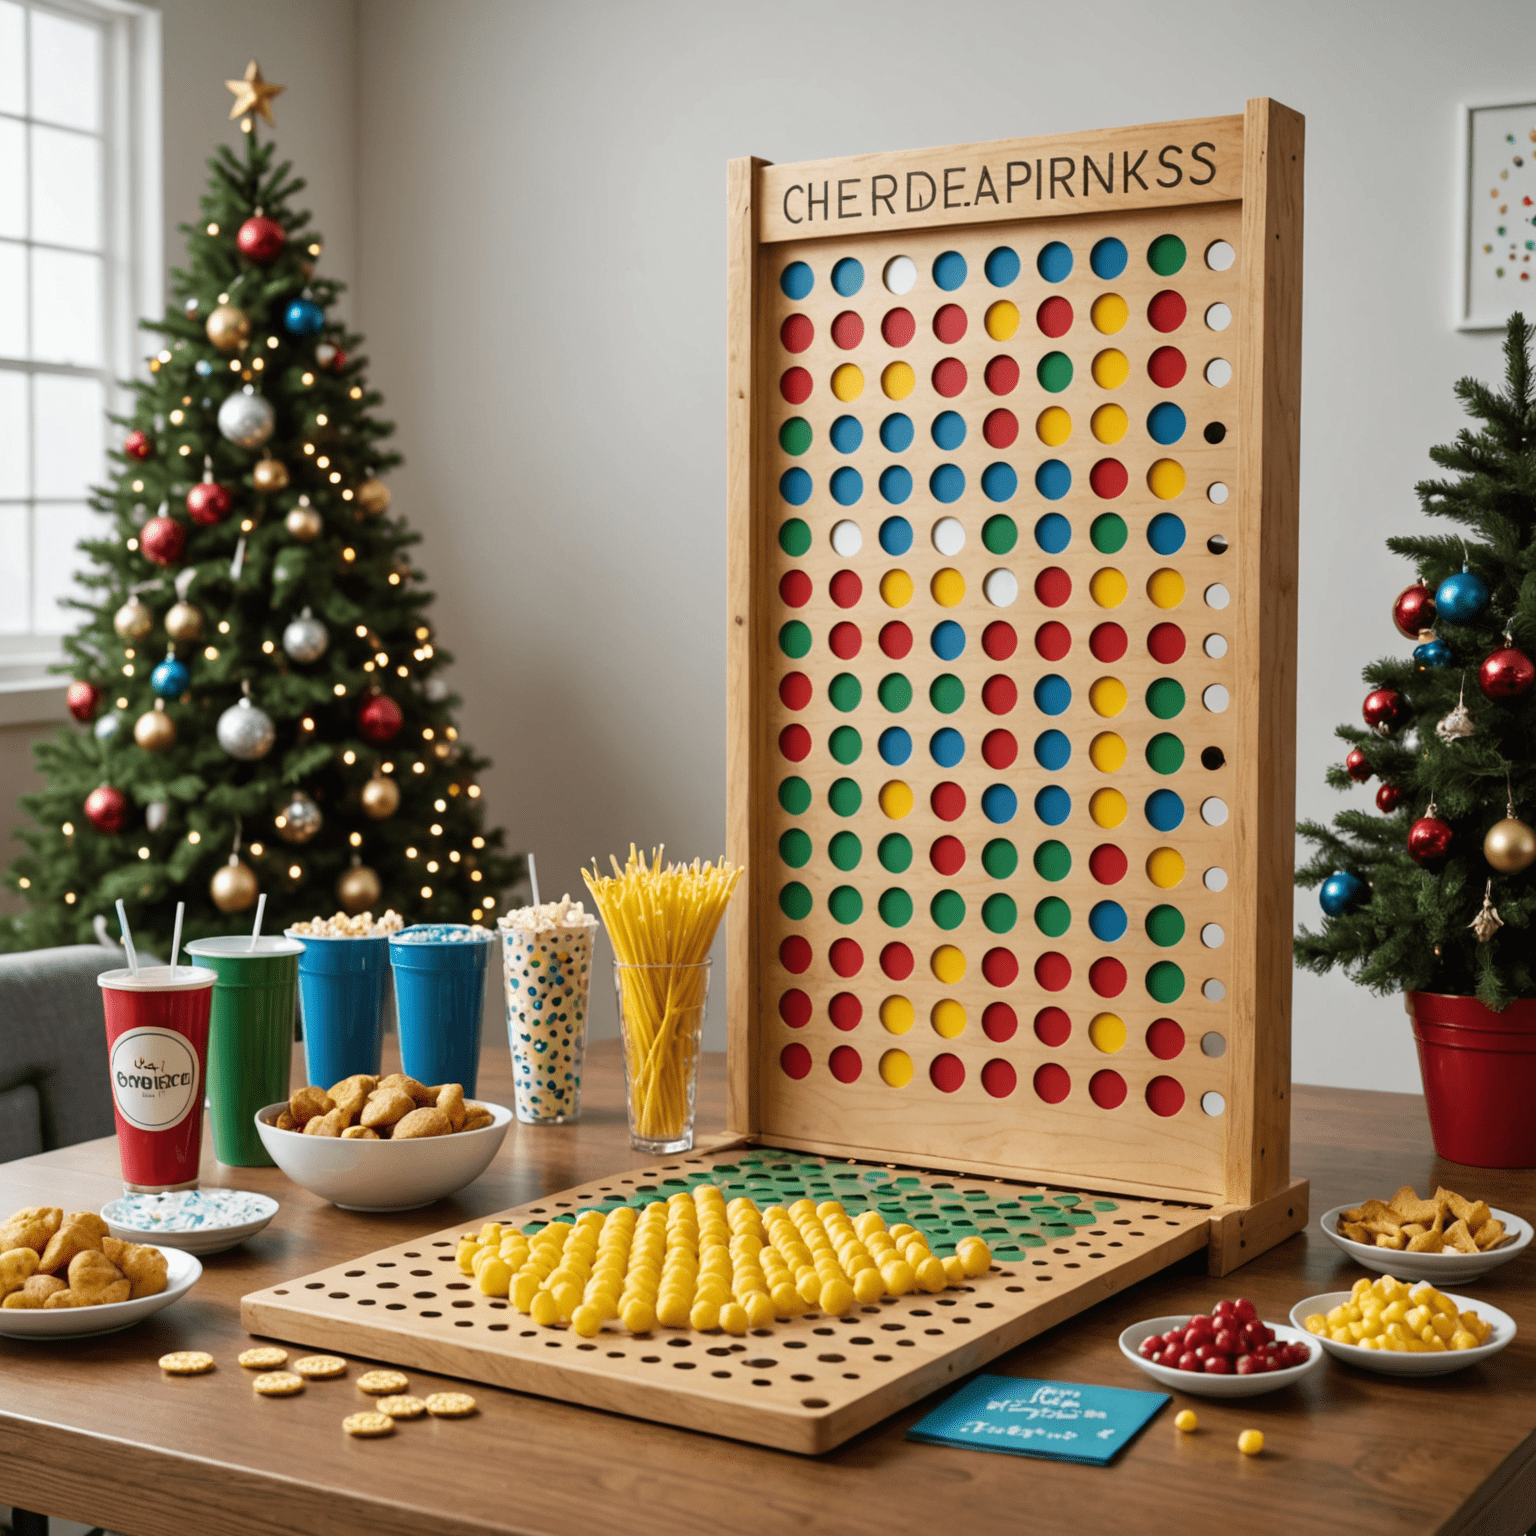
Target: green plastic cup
column 250, row 1038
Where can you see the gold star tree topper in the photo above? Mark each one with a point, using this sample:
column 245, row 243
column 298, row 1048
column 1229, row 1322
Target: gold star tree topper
column 253, row 94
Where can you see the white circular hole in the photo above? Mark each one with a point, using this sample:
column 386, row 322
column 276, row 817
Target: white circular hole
column 1213, row 1044
column 1216, row 646
column 1218, row 317
column 949, row 536
column 1219, row 256
column 847, row 539
column 1001, row 588
column 1213, row 812
column 1213, row 991
column 1217, row 492
column 900, row 274
column 1216, row 698
column 1212, row 936
column 1215, row 878
column 1217, row 596
column 1213, row 1103
column 1218, row 372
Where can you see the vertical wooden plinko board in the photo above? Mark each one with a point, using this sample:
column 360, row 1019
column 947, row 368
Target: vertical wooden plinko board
column 1012, row 488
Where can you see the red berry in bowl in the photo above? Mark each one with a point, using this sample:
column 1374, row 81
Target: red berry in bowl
column 1245, row 1309
column 1217, row 1365
column 1189, row 1361
column 1229, row 1341
column 1170, row 1356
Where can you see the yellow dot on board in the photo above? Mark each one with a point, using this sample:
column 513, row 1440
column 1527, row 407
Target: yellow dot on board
column 1165, row 867
column 1053, row 426
column 897, row 1015
column 1107, row 1032
column 1107, row 808
column 1166, row 588
column 948, row 588
column 898, row 381
column 947, row 1018
column 896, row 1069
column 1111, row 368
column 1109, row 313
column 896, row 589
column 948, row 964
column 1166, row 479
column 848, row 382
column 1108, row 587
column 1107, row 752
column 1107, row 696
column 896, row 799
column 1110, row 423
column 1002, row 320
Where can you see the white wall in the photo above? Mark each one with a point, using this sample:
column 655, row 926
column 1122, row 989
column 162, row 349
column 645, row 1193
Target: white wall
column 541, row 273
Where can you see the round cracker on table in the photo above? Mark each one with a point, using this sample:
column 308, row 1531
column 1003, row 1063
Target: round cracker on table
column 278, row 1384
column 319, row 1367
column 401, row 1407
column 450, row 1405
column 265, row 1358
column 186, row 1362
column 378, row 1383
column 368, row 1426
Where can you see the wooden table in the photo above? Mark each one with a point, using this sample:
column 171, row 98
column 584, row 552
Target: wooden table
column 93, row 1432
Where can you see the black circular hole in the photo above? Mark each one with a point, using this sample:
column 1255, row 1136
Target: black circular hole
column 1210, row 757
column 336, row 1295
column 394, row 1306
column 353, row 1274
column 1214, row 431
column 1216, row 544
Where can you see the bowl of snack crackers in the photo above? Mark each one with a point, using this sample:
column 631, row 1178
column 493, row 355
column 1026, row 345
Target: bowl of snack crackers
column 66, row 1275
column 382, row 1143
column 1444, row 1237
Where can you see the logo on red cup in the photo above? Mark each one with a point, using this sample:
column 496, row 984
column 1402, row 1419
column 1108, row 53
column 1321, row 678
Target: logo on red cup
column 155, row 1078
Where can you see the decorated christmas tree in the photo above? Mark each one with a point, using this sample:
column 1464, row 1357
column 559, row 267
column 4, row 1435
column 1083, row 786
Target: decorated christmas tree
column 261, row 700
column 1433, row 892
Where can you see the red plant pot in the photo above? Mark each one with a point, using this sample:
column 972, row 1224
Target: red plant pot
column 1479, row 1071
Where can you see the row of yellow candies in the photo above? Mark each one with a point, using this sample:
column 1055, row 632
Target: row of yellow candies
column 1386, row 1314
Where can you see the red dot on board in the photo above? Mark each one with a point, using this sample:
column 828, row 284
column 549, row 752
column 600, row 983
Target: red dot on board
column 1165, row 1039
column 1054, row 317
column 795, row 385
column 845, row 1064
column 896, row 640
column 947, row 1072
column 797, row 333
column 999, row 1078
column 1108, row 642
column 999, row 1022
column 1108, row 478
column 846, row 588
column 1053, row 971
column 795, row 954
column 1000, row 429
column 949, row 377
column 1165, row 643
column 1165, row 1096
column 845, row 1011
column 999, row 640
column 795, row 743
column 999, row 693
column 1051, row 1082
column 794, row 690
column 948, row 801
column 1107, row 1089
column 1107, row 976
column 1167, row 310
column 1002, row 375
column 1108, row 864
column 898, row 327
column 795, row 589
column 896, row 961
column 949, row 324
column 1053, row 640
column 1166, row 367
column 846, row 957
column 1053, row 586
column 999, row 749
column 845, row 641
column 795, row 1008
column 947, row 855
column 795, row 1060
column 1000, row 966
column 1053, row 1027
column 847, row 330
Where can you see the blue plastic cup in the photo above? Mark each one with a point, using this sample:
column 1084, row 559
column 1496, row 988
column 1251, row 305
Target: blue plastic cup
column 341, row 1004
column 440, row 971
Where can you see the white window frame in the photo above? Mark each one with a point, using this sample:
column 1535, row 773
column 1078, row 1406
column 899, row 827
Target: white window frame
column 133, row 256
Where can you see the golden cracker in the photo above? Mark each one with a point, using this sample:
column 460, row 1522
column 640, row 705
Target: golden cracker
column 401, row 1407
column 265, row 1358
column 278, row 1384
column 320, row 1367
column 186, row 1362
column 450, row 1405
column 378, row 1383
column 368, row 1426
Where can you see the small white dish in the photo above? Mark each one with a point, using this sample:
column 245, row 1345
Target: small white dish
column 1440, row 1269
column 1201, row 1385
column 1394, row 1362
column 201, row 1221
column 363, row 1175
column 182, row 1270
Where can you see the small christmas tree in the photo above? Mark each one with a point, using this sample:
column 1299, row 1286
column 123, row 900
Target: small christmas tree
column 265, row 701
column 1435, row 894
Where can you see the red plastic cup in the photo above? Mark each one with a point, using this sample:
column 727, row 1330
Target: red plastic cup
column 157, row 1049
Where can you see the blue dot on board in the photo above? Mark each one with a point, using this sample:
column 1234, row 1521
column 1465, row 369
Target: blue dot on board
column 895, row 746
column 1108, row 257
column 1053, row 805
column 847, row 485
column 948, row 430
column 1053, row 479
column 1107, row 921
column 948, row 640
column 895, row 487
column 949, row 270
column 999, row 482
column 947, row 483
column 896, row 432
column 1165, row 423
column 847, row 434
column 1003, row 266
column 946, row 747
column 895, row 532
column 1053, row 533
column 1054, row 261
column 1053, row 694
column 1052, row 750
column 795, row 487
column 796, row 280
column 848, row 276
column 1165, row 810
column 999, row 804
column 1165, row 533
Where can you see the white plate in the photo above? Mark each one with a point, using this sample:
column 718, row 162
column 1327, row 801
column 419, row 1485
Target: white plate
column 1201, row 1385
column 1440, row 1269
column 199, row 1221
column 1394, row 1362
column 182, row 1270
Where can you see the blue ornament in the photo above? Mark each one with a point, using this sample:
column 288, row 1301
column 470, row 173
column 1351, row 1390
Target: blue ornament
column 203, row 368
column 304, row 318
column 1433, row 653
column 170, row 678
column 1461, row 597
column 1341, row 892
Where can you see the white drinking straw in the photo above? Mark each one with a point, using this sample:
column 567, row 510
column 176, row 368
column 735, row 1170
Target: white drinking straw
column 533, row 877
column 122, row 925
column 181, row 907
column 261, row 906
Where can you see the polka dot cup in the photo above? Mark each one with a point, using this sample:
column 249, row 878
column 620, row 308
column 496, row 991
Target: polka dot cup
column 548, row 976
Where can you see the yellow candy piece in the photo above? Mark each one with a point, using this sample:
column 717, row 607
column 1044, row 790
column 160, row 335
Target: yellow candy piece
column 868, row 1287
column 759, row 1309
column 639, row 1316
column 787, row 1301
column 837, row 1298
column 1317, row 1323
column 490, row 1234
column 495, row 1277
column 1461, row 1339
column 524, row 1289
column 930, row 1274
column 705, row 1314
column 466, row 1251
column 954, row 1270
column 1359, row 1287
column 1251, row 1442
column 543, row 1310
column 808, row 1283
column 733, row 1317
column 587, row 1320
column 672, row 1309
column 1185, row 1421
column 974, row 1255
column 898, row 1276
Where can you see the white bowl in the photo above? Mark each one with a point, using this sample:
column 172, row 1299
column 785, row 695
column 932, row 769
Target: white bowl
column 1394, row 1362
column 182, row 1270
column 1438, row 1268
column 361, row 1175
column 1201, row 1385
column 199, row 1221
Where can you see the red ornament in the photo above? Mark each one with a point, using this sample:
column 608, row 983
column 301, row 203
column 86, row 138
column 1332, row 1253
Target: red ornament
column 1383, row 709
column 380, row 718
column 106, row 809
column 163, row 540
column 1414, row 609
column 1357, row 767
column 208, row 502
column 339, row 361
column 261, row 239
column 137, row 445
column 1387, row 797
column 1429, row 840
column 1506, row 673
column 84, row 699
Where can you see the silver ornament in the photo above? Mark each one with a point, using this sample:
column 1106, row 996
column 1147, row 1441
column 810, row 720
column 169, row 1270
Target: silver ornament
column 246, row 732
column 1456, row 724
column 436, row 689
column 155, row 814
column 299, row 819
column 247, row 419
column 106, row 727
column 306, row 638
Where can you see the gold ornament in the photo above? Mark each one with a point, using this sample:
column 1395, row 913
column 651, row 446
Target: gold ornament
column 270, row 474
column 298, row 819
column 373, row 496
column 234, row 888
column 184, row 621
column 381, row 797
column 1487, row 922
column 155, row 730
column 253, row 94
column 133, row 620
column 303, row 524
column 358, row 890
column 228, row 328
column 1510, row 846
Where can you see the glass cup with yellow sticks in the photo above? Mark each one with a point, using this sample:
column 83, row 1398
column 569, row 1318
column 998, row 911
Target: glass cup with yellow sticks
column 661, row 1018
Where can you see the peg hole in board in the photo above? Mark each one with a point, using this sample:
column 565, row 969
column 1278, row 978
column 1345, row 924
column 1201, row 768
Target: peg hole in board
column 1213, row 936
column 1217, row 544
column 1217, row 596
column 1212, row 758
column 1213, row 1044
column 900, row 275
column 1213, row 811
column 1213, row 1103
column 1215, row 646
column 1218, row 317
column 1213, row 990
column 847, row 538
column 1215, row 878
column 1216, row 698
column 1218, row 373
column 1217, row 492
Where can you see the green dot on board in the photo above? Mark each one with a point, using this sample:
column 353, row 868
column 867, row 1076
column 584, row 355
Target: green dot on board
column 999, row 913
column 795, row 901
column 795, row 848
column 1053, row 917
column 947, row 909
column 895, row 853
column 845, row 850
column 946, row 693
column 999, row 534
column 1165, row 982
column 1108, row 533
column 1165, row 926
column 1165, row 697
column 845, row 744
column 845, row 904
column 795, row 795
column 795, row 536
column 1054, row 372
column 1165, row 753
column 1166, row 255
column 795, row 639
column 795, row 435
column 845, row 691
column 1052, row 860
column 895, row 907
column 999, row 858
column 895, row 692
column 845, row 797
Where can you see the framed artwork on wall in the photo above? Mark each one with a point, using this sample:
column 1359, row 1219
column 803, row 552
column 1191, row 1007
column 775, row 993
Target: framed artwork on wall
column 1497, row 247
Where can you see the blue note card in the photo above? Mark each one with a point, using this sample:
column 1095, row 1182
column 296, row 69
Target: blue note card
column 1059, row 1420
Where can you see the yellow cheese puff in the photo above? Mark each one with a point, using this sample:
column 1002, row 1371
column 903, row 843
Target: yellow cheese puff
column 974, row 1255
column 705, row 1314
column 672, row 1309
column 733, row 1317
column 586, row 1321
column 490, row 1234
column 495, row 1277
column 639, row 1317
column 900, row 1230
column 466, row 1251
column 954, row 1270
column 837, row 1298
column 808, row 1283
column 543, row 1310
column 524, row 1288
column 869, row 1221
column 868, row 1286
column 898, row 1277
column 759, row 1309
column 787, row 1301
column 566, row 1298
column 930, row 1274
